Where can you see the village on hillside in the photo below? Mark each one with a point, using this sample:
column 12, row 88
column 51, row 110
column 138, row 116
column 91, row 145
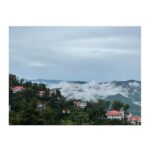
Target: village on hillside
column 35, row 104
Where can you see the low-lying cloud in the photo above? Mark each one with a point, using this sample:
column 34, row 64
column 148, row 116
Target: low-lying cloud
column 93, row 90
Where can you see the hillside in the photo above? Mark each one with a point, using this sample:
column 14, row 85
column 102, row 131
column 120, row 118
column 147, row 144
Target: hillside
column 32, row 103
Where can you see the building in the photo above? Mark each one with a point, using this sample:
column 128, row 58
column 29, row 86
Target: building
column 66, row 111
column 41, row 106
column 53, row 91
column 135, row 120
column 17, row 89
column 80, row 103
column 41, row 93
column 114, row 114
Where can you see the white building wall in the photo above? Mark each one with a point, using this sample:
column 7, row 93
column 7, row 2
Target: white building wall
column 115, row 117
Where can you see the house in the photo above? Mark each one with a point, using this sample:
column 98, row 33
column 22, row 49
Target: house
column 135, row 120
column 114, row 114
column 53, row 91
column 80, row 103
column 41, row 93
column 17, row 89
column 66, row 111
column 41, row 106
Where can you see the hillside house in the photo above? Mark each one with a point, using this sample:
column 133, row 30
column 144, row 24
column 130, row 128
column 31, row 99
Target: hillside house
column 80, row 103
column 53, row 91
column 41, row 93
column 114, row 114
column 17, row 89
column 135, row 120
column 41, row 106
column 66, row 111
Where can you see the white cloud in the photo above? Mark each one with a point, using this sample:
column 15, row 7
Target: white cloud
column 36, row 64
column 90, row 90
column 134, row 84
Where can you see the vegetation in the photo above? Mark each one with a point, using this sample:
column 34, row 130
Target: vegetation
column 28, row 107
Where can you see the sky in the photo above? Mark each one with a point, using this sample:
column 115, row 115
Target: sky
column 75, row 53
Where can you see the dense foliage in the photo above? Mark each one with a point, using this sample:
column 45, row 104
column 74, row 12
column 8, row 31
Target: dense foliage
column 24, row 108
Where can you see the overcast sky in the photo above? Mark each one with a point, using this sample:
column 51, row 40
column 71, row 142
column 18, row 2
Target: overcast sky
column 75, row 53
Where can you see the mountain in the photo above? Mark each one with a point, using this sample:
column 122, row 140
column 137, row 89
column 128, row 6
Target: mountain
column 119, row 97
column 133, row 86
column 80, row 82
column 134, row 108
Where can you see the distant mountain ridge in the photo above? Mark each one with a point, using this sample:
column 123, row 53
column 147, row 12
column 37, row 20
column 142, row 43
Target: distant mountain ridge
column 82, row 82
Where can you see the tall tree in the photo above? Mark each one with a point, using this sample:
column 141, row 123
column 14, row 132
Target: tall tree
column 117, row 105
column 13, row 80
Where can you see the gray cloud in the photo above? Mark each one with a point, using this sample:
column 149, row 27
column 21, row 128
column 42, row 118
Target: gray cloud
column 75, row 53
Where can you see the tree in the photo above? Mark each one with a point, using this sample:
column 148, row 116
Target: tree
column 117, row 105
column 29, row 93
column 81, row 118
column 21, row 81
column 31, row 116
column 18, row 103
column 13, row 80
column 15, row 118
column 10, row 92
column 28, row 84
column 42, row 86
column 58, row 93
column 35, row 86
column 126, row 107
column 66, row 122
column 103, row 106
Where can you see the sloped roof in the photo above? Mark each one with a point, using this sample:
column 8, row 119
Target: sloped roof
column 135, row 118
column 18, row 88
column 113, row 113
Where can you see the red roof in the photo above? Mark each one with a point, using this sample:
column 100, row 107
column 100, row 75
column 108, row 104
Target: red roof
column 135, row 118
column 19, row 88
column 113, row 113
